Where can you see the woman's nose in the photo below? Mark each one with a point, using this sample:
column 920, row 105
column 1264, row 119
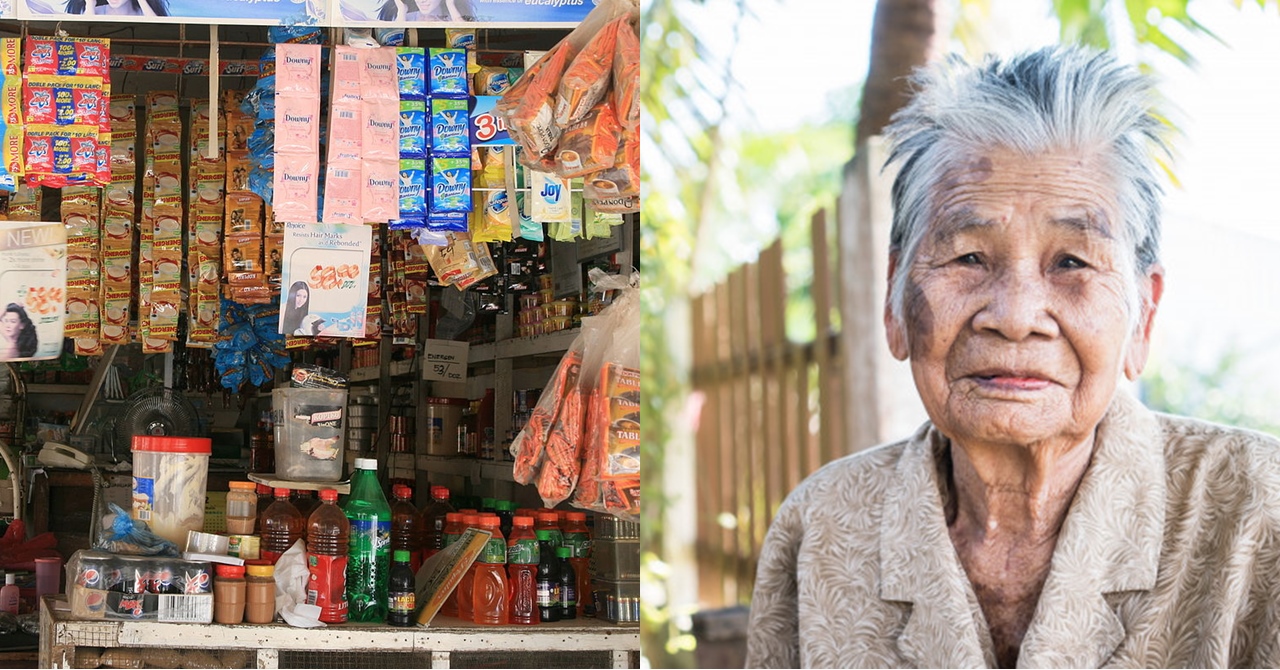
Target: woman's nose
column 1017, row 306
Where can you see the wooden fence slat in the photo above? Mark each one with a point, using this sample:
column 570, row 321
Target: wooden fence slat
column 728, row 536
column 707, row 445
column 822, row 312
column 773, row 314
column 772, row 411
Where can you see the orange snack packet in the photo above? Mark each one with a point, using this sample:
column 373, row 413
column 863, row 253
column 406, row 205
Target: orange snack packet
column 589, row 145
column 529, row 106
column 585, row 81
column 626, row 77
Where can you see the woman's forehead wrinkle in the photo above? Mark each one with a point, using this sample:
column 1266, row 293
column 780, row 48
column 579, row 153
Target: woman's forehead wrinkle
column 950, row 223
column 1092, row 224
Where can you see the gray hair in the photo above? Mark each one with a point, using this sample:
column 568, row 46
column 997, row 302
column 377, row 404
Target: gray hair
column 1051, row 99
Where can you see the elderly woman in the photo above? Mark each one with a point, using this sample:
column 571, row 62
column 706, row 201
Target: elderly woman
column 1041, row 517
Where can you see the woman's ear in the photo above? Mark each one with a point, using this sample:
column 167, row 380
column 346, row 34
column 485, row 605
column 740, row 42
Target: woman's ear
column 1150, row 289
column 893, row 327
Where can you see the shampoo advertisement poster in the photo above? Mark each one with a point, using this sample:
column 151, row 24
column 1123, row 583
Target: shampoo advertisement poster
column 33, row 290
column 325, row 279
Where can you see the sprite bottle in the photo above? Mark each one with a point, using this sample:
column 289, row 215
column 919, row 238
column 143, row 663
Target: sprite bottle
column 369, row 556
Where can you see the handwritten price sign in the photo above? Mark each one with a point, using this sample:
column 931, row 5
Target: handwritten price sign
column 446, row 361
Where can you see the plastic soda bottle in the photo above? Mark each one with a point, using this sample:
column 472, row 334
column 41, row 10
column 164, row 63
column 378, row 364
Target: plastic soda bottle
column 401, row 596
column 490, row 588
column 369, row 557
column 327, row 533
column 408, row 527
column 281, row 526
column 548, row 578
column 434, row 516
column 305, row 501
column 466, row 587
column 522, row 572
column 264, row 501
column 568, row 584
column 506, row 512
column 550, row 522
column 578, row 538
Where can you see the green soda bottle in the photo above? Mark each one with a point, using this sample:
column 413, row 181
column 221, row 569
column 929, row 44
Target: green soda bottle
column 369, row 557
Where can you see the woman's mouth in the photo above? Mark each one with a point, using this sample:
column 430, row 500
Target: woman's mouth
column 1010, row 380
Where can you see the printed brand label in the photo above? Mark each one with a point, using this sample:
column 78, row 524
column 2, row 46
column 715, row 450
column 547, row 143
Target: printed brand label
column 144, row 495
column 327, row 586
column 401, row 602
column 495, row 551
column 523, row 552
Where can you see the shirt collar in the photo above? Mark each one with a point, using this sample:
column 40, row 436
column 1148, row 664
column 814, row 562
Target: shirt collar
column 1109, row 542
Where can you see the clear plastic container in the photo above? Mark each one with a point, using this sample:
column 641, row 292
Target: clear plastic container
column 170, row 478
column 242, row 512
column 309, row 433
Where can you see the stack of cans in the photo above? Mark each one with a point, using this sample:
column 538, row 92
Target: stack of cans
column 362, row 422
column 140, row 588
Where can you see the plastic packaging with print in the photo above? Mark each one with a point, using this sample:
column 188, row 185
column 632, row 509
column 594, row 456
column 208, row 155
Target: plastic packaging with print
column 33, row 290
column 325, row 279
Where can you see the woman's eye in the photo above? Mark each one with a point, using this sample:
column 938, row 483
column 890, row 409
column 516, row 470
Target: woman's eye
column 970, row 259
column 1069, row 262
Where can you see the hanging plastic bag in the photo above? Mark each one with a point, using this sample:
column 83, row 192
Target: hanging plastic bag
column 609, row 480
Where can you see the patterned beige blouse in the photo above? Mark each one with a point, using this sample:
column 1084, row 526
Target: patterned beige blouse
column 1169, row 557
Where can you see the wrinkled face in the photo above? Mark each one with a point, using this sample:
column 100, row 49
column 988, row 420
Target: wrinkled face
column 1015, row 315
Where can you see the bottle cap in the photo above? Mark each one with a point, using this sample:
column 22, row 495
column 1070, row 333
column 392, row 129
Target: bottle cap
column 241, row 486
column 229, row 571
column 471, row 520
column 281, row 492
column 550, row 517
column 487, row 503
column 263, row 490
column 490, row 522
column 452, row 517
column 578, row 516
column 522, row 522
column 543, row 535
column 401, row 492
column 400, row 556
column 564, row 552
column 329, row 495
column 9, row 578
column 505, row 506
column 366, row 464
column 440, row 492
column 259, row 568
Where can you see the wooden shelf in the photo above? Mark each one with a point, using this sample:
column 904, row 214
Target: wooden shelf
column 63, row 389
column 373, row 372
column 264, row 643
column 518, row 347
column 270, row 480
column 472, row 468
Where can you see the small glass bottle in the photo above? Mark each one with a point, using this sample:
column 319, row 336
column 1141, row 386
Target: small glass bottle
column 260, row 591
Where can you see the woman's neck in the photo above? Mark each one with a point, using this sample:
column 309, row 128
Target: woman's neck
column 1014, row 493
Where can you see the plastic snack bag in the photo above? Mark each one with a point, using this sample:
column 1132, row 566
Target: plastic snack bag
column 587, row 79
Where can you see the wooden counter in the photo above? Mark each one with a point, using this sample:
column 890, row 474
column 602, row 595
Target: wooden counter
column 567, row 644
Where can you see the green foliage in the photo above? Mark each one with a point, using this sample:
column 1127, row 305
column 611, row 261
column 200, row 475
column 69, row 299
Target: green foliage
column 1225, row 391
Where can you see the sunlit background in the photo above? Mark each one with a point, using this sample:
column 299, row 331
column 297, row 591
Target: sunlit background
column 750, row 110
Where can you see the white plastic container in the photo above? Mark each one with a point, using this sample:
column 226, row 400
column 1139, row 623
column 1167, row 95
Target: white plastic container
column 170, row 478
column 310, row 435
